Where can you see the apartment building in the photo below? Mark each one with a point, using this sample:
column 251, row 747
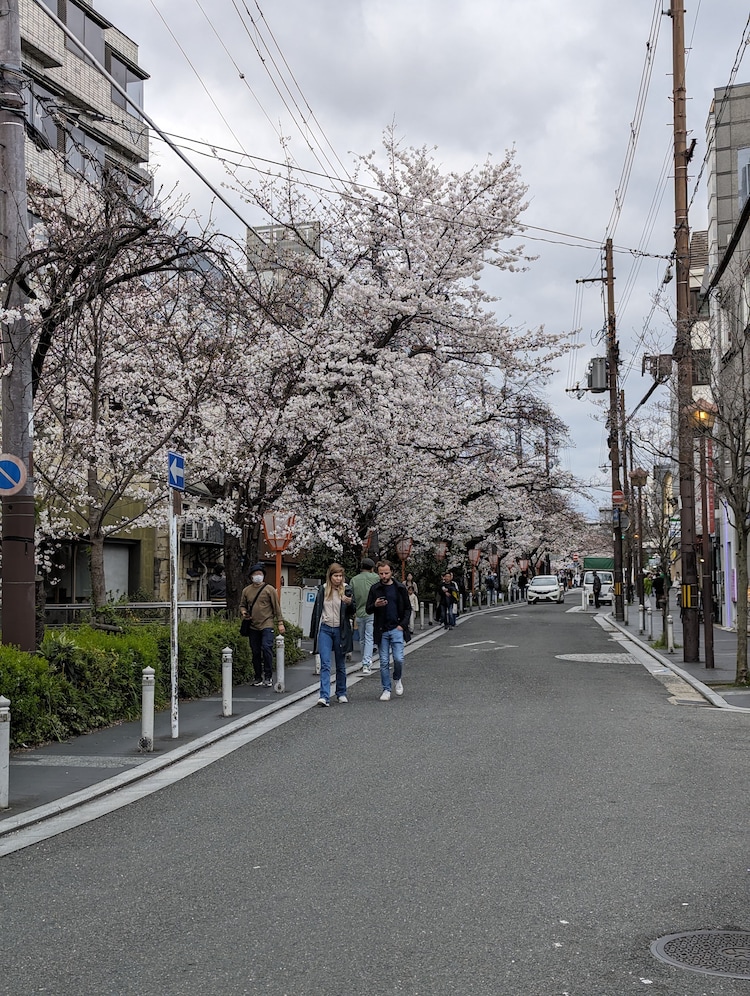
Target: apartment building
column 71, row 107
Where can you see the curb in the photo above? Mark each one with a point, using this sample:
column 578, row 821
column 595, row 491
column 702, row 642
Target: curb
column 708, row 693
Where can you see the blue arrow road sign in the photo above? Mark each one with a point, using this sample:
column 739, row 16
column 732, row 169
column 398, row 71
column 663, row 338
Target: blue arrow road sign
column 176, row 476
column 12, row 474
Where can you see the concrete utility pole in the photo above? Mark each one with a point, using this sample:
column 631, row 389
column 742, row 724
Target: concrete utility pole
column 613, row 358
column 18, row 571
column 683, row 353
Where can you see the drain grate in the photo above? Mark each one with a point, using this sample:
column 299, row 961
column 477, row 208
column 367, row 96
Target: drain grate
column 711, row 952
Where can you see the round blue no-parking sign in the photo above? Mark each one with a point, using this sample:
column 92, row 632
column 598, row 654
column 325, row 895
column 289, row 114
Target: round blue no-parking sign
column 13, row 474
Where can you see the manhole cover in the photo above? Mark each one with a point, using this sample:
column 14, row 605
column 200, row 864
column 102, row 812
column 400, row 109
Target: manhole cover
column 597, row 658
column 712, row 952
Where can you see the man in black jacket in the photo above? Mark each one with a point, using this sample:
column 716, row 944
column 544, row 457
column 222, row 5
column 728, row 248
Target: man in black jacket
column 388, row 601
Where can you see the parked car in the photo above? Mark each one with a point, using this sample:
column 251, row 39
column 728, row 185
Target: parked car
column 606, row 595
column 545, row 588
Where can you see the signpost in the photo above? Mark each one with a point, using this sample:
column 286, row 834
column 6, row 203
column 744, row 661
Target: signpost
column 176, row 482
column 618, row 498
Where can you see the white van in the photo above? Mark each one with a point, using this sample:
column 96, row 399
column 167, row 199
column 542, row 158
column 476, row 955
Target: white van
column 606, row 595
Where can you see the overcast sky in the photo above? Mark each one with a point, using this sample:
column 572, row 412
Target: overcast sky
column 558, row 80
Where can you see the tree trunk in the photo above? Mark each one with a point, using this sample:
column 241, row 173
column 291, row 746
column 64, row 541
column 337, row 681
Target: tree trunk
column 96, row 567
column 742, row 575
column 233, row 563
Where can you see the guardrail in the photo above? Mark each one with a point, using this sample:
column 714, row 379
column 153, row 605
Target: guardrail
column 80, row 613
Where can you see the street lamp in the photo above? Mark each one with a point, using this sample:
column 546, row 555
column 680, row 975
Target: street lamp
column 403, row 548
column 277, row 530
column 638, row 478
column 704, row 416
column 474, row 555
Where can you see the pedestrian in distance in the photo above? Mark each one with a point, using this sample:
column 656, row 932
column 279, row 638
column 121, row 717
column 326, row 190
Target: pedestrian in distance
column 448, row 593
column 388, row 602
column 361, row 584
column 259, row 609
column 413, row 592
column 596, row 586
column 331, row 631
column 217, row 587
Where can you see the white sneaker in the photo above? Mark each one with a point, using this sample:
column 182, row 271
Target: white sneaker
column 342, row 698
column 366, row 671
column 399, row 687
column 322, row 702
column 385, row 697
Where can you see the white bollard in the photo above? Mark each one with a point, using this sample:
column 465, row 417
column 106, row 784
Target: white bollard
column 421, row 615
column 584, row 600
column 650, row 617
column 226, row 681
column 146, row 743
column 279, row 686
column 670, row 635
column 4, row 751
column 625, row 612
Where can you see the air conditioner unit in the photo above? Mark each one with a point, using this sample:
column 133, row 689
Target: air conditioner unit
column 194, row 532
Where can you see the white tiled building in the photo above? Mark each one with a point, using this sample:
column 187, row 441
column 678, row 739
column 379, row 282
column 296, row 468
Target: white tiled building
column 70, row 105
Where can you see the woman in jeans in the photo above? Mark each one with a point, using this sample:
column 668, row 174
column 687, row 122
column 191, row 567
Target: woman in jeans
column 332, row 631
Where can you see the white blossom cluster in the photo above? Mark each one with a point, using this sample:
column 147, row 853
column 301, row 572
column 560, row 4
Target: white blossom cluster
column 362, row 381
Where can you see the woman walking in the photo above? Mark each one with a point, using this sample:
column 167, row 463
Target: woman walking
column 332, row 632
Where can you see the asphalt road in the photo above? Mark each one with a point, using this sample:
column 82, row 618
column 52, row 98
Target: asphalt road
column 516, row 824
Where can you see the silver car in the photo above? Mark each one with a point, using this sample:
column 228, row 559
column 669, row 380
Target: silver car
column 545, row 588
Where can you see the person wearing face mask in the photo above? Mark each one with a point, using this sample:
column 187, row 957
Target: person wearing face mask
column 330, row 628
column 259, row 606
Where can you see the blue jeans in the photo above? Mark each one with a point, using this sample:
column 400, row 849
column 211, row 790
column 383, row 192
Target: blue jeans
column 329, row 641
column 391, row 640
column 364, row 628
column 261, row 645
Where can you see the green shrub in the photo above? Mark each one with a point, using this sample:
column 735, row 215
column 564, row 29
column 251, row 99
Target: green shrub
column 87, row 678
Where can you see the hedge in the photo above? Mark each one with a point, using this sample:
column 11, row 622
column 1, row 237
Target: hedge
column 85, row 679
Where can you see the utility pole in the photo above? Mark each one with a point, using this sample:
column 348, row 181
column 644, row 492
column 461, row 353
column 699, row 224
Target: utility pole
column 683, row 353
column 613, row 422
column 18, row 570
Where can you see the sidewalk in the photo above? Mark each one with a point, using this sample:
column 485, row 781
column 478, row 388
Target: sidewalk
column 724, row 670
column 48, row 780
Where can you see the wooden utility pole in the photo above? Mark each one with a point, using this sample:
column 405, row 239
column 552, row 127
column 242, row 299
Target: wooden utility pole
column 613, row 422
column 18, row 570
column 683, row 353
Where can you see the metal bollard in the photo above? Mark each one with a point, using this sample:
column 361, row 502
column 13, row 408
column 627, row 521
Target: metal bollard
column 421, row 615
column 279, row 686
column 641, row 619
column 670, row 635
column 584, row 600
column 226, row 681
column 650, row 618
column 146, row 743
column 4, row 751
column 430, row 610
column 625, row 613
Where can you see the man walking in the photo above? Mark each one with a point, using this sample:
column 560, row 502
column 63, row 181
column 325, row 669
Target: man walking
column 388, row 602
column 260, row 606
column 361, row 585
column 596, row 585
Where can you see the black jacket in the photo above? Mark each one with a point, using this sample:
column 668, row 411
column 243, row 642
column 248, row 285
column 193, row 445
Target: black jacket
column 403, row 605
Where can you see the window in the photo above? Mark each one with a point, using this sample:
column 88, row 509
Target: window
column 86, row 29
column 83, row 155
column 39, row 100
column 701, row 366
column 130, row 81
